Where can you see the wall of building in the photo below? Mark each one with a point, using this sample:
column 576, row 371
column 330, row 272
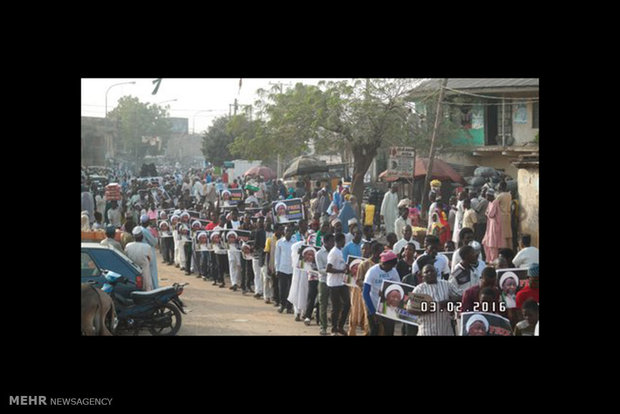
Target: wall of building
column 522, row 129
column 528, row 202
column 183, row 146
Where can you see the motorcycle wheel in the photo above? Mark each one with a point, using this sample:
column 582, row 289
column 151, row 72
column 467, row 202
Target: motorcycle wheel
column 174, row 312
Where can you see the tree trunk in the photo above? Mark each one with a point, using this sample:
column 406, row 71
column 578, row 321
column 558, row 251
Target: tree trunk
column 362, row 158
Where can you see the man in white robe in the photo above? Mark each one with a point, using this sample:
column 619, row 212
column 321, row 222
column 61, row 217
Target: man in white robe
column 140, row 253
column 298, row 294
column 151, row 241
column 389, row 208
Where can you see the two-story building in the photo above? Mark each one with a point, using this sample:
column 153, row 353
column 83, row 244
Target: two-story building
column 499, row 120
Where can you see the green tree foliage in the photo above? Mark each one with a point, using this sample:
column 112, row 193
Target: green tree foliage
column 360, row 117
column 134, row 120
column 217, row 140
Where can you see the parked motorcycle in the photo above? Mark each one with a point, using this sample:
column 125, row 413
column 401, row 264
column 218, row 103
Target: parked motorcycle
column 158, row 310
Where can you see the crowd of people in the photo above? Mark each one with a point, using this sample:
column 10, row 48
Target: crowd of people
column 301, row 267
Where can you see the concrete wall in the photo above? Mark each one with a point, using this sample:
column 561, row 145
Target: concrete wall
column 528, row 202
column 523, row 132
column 182, row 146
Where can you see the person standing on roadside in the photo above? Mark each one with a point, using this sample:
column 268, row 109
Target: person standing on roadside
column 359, row 314
column 504, row 200
column 110, row 232
column 493, row 239
column 338, row 291
column 151, row 241
column 389, row 209
column 140, row 253
column 373, row 281
column 434, row 319
column 328, row 243
column 284, row 268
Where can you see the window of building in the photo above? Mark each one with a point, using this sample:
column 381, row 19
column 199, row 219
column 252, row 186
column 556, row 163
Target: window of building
column 535, row 115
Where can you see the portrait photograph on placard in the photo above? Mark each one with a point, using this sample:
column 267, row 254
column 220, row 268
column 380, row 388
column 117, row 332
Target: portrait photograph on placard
column 307, row 261
column 231, row 197
column 519, row 272
column 393, row 300
column 353, row 263
column 484, row 324
column 287, row 211
column 202, row 241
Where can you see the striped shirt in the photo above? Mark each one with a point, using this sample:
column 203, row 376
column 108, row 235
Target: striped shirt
column 438, row 322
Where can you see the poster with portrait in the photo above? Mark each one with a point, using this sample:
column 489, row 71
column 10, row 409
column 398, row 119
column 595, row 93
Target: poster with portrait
column 520, row 116
column 231, row 197
column 233, row 239
column 307, row 261
column 519, row 272
column 218, row 242
column 202, row 242
column 287, row 211
column 393, row 299
column 484, row 324
column 353, row 263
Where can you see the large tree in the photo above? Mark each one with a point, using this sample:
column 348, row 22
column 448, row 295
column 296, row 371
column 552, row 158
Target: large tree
column 217, row 140
column 134, row 120
column 357, row 117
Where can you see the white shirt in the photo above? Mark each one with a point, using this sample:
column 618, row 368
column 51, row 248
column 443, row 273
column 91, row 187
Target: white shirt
column 283, row 256
column 441, row 264
column 402, row 243
column 458, row 278
column 526, row 257
column 399, row 225
column 375, row 277
column 335, row 259
column 456, row 259
column 321, row 264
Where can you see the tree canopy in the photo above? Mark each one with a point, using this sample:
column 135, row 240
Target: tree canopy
column 134, row 120
column 358, row 117
column 217, row 140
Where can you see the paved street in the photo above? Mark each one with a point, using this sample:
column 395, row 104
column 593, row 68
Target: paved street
column 220, row 311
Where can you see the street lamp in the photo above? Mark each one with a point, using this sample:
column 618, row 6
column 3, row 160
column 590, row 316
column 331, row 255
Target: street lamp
column 108, row 90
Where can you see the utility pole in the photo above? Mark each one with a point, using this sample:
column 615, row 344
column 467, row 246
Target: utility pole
column 429, row 170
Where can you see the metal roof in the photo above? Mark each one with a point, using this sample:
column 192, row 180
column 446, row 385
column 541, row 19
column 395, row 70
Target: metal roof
column 480, row 83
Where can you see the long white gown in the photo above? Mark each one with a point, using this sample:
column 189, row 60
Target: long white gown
column 298, row 294
column 389, row 210
column 140, row 252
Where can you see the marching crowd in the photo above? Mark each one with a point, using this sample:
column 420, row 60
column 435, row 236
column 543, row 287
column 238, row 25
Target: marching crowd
column 302, row 268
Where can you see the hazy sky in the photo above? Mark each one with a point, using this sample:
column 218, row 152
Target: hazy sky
column 198, row 100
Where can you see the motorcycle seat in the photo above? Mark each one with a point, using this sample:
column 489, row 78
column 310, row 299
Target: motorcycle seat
column 140, row 295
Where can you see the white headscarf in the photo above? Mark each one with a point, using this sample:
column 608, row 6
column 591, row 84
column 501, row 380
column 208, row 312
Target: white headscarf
column 397, row 287
column 508, row 275
column 475, row 318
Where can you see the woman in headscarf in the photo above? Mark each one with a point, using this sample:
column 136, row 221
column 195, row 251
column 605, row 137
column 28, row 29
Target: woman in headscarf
column 493, row 239
column 346, row 214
